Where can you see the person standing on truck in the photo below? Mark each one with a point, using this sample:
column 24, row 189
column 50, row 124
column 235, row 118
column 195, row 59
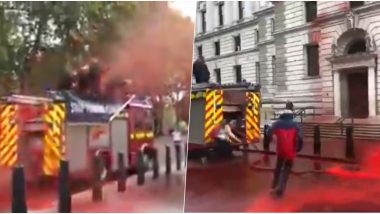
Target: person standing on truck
column 200, row 71
column 223, row 136
column 289, row 138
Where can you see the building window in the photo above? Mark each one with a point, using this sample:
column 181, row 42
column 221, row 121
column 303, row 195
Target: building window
column 218, row 76
column 200, row 51
column 237, row 69
column 237, row 43
column 274, row 81
column 272, row 25
column 217, row 48
column 203, row 17
column 257, row 67
column 241, row 9
column 311, row 10
column 355, row 4
column 312, row 52
column 220, row 9
column 257, row 36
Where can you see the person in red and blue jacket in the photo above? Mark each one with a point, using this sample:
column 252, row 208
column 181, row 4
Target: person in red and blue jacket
column 289, row 140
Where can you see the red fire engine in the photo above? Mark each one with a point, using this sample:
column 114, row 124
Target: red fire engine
column 40, row 131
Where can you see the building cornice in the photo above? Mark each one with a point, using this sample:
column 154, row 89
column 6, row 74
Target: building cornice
column 237, row 53
column 331, row 17
column 264, row 11
column 366, row 10
column 266, row 42
column 226, row 29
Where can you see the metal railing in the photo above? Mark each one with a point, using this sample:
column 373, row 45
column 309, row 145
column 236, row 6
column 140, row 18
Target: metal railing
column 341, row 123
column 298, row 112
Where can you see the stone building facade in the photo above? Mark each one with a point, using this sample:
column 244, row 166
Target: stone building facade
column 321, row 54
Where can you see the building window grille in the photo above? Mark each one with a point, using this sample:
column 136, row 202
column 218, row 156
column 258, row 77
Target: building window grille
column 203, row 19
column 238, row 76
column 274, row 81
column 241, row 9
column 257, row 67
column 312, row 51
column 200, row 51
column 217, row 48
column 220, row 10
column 237, row 43
column 311, row 10
column 218, row 76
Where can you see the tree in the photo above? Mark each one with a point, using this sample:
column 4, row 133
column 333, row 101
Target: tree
column 46, row 39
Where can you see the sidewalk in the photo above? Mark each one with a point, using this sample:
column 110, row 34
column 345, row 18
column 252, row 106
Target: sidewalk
column 166, row 194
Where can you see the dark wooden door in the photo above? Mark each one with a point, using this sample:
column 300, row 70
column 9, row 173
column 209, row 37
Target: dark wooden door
column 358, row 94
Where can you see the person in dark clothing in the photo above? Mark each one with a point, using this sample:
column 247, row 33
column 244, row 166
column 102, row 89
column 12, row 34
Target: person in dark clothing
column 289, row 139
column 223, row 137
column 289, row 106
column 200, row 71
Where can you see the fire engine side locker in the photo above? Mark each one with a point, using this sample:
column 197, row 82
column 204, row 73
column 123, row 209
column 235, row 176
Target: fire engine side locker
column 119, row 140
column 197, row 121
column 76, row 146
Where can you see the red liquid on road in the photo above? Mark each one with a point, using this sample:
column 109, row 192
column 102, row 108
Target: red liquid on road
column 347, row 190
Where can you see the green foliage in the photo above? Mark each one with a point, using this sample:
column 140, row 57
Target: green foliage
column 68, row 32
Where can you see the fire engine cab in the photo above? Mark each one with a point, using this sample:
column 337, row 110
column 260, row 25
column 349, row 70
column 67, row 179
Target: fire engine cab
column 38, row 132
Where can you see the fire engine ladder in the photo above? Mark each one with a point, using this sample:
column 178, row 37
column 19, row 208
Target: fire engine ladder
column 114, row 115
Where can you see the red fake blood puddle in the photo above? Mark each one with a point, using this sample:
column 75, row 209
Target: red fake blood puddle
column 352, row 191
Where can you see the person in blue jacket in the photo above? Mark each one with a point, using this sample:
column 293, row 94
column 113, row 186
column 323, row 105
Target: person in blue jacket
column 289, row 138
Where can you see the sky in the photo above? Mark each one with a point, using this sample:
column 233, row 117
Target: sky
column 187, row 8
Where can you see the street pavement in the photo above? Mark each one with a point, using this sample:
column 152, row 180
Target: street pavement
column 165, row 194
column 234, row 186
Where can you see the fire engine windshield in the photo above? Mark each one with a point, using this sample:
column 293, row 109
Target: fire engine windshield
column 143, row 119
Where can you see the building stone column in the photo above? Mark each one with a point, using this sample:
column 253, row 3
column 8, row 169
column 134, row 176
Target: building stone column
column 198, row 21
column 337, row 101
column 210, row 16
column 248, row 8
column 230, row 10
column 371, row 91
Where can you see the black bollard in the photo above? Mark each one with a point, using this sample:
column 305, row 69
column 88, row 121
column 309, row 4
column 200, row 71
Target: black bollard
column 18, row 190
column 350, row 152
column 140, row 168
column 317, row 140
column 155, row 164
column 97, row 187
column 122, row 175
column 64, row 197
column 266, row 138
column 168, row 161
column 178, row 156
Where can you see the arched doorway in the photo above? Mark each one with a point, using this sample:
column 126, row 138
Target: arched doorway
column 354, row 75
column 356, row 104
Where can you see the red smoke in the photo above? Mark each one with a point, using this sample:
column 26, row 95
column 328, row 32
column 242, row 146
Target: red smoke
column 156, row 54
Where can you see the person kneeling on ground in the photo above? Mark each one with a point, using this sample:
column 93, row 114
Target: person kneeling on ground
column 223, row 136
column 289, row 139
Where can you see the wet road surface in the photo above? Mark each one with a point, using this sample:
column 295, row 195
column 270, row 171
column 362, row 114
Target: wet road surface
column 233, row 186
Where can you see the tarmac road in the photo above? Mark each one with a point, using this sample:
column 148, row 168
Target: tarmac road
column 233, row 186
